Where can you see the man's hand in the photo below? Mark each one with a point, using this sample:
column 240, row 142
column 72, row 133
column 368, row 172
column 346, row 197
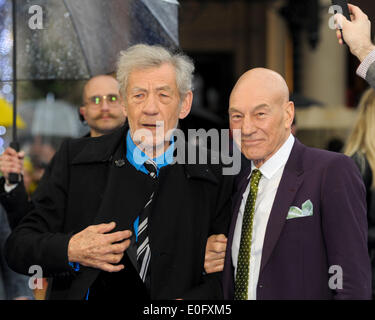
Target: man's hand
column 11, row 161
column 215, row 253
column 95, row 247
column 357, row 33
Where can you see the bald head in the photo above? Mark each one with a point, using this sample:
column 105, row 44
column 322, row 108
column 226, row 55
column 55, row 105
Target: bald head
column 266, row 81
column 97, row 82
column 259, row 107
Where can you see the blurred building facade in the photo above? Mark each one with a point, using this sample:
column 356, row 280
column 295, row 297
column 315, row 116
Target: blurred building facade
column 248, row 34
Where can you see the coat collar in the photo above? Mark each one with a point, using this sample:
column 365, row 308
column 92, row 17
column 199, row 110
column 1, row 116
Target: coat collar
column 104, row 149
column 101, row 149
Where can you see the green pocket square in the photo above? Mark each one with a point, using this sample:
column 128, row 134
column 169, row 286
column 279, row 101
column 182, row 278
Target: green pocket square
column 306, row 211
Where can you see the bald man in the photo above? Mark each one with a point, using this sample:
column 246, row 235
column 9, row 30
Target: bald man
column 299, row 228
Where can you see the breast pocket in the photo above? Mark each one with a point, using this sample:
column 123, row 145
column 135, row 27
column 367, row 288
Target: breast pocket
column 297, row 229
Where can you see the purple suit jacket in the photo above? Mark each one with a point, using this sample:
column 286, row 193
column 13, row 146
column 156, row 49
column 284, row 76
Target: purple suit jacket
column 298, row 253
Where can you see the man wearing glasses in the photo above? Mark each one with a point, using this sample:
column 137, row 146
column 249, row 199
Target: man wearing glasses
column 101, row 111
column 101, row 105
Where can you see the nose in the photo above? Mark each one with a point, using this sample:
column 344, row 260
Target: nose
column 248, row 128
column 104, row 106
column 151, row 105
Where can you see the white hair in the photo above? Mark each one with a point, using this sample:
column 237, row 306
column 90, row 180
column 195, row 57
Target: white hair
column 142, row 56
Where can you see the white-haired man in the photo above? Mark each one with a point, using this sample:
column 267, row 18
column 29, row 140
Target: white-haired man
column 131, row 222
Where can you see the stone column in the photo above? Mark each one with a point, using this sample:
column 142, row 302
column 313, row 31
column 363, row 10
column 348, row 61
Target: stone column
column 324, row 72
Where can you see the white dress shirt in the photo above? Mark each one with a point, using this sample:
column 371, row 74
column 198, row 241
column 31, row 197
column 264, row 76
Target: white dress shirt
column 272, row 171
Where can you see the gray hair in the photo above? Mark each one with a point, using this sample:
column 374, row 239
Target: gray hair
column 142, row 56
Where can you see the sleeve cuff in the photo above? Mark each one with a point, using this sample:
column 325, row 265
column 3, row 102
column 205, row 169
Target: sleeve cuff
column 75, row 266
column 10, row 188
column 365, row 65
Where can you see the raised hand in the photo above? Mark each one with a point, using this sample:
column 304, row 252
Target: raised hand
column 11, row 161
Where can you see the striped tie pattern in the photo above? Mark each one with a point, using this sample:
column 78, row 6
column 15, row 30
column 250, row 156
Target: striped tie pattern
column 143, row 247
column 243, row 262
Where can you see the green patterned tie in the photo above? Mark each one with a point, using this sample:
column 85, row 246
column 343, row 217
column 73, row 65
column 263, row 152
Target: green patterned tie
column 243, row 262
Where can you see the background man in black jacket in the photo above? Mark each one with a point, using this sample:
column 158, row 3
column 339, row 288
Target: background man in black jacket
column 101, row 110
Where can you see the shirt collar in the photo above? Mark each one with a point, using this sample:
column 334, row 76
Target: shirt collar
column 279, row 159
column 137, row 157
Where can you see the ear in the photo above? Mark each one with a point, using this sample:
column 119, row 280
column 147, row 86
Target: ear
column 289, row 114
column 82, row 111
column 186, row 105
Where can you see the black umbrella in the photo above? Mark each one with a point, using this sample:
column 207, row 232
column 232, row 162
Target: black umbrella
column 80, row 39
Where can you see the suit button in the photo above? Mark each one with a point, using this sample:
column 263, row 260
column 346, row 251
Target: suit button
column 260, row 286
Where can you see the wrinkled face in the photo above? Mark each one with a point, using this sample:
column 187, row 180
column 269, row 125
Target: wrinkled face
column 153, row 104
column 263, row 119
column 103, row 115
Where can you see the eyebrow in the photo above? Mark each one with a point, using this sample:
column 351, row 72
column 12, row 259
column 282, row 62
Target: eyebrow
column 167, row 88
column 263, row 105
column 100, row 95
column 137, row 89
column 232, row 110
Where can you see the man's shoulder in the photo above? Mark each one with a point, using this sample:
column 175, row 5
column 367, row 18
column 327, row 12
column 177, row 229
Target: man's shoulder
column 203, row 163
column 319, row 158
column 90, row 148
column 81, row 142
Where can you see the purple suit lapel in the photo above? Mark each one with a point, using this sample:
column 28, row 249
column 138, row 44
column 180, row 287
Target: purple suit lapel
column 289, row 184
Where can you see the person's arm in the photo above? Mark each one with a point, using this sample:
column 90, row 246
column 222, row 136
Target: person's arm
column 370, row 73
column 344, row 223
column 357, row 32
column 211, row 286
column 357, row 35
column 15, row 202
column 13, row 197
column 39, row 239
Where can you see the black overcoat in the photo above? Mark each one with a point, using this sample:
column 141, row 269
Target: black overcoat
column 86, row 187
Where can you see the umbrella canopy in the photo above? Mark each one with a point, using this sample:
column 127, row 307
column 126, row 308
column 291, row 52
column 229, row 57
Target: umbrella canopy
column 80, row 39
column 77, row 39
column 6, row 115
column 55, row 118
